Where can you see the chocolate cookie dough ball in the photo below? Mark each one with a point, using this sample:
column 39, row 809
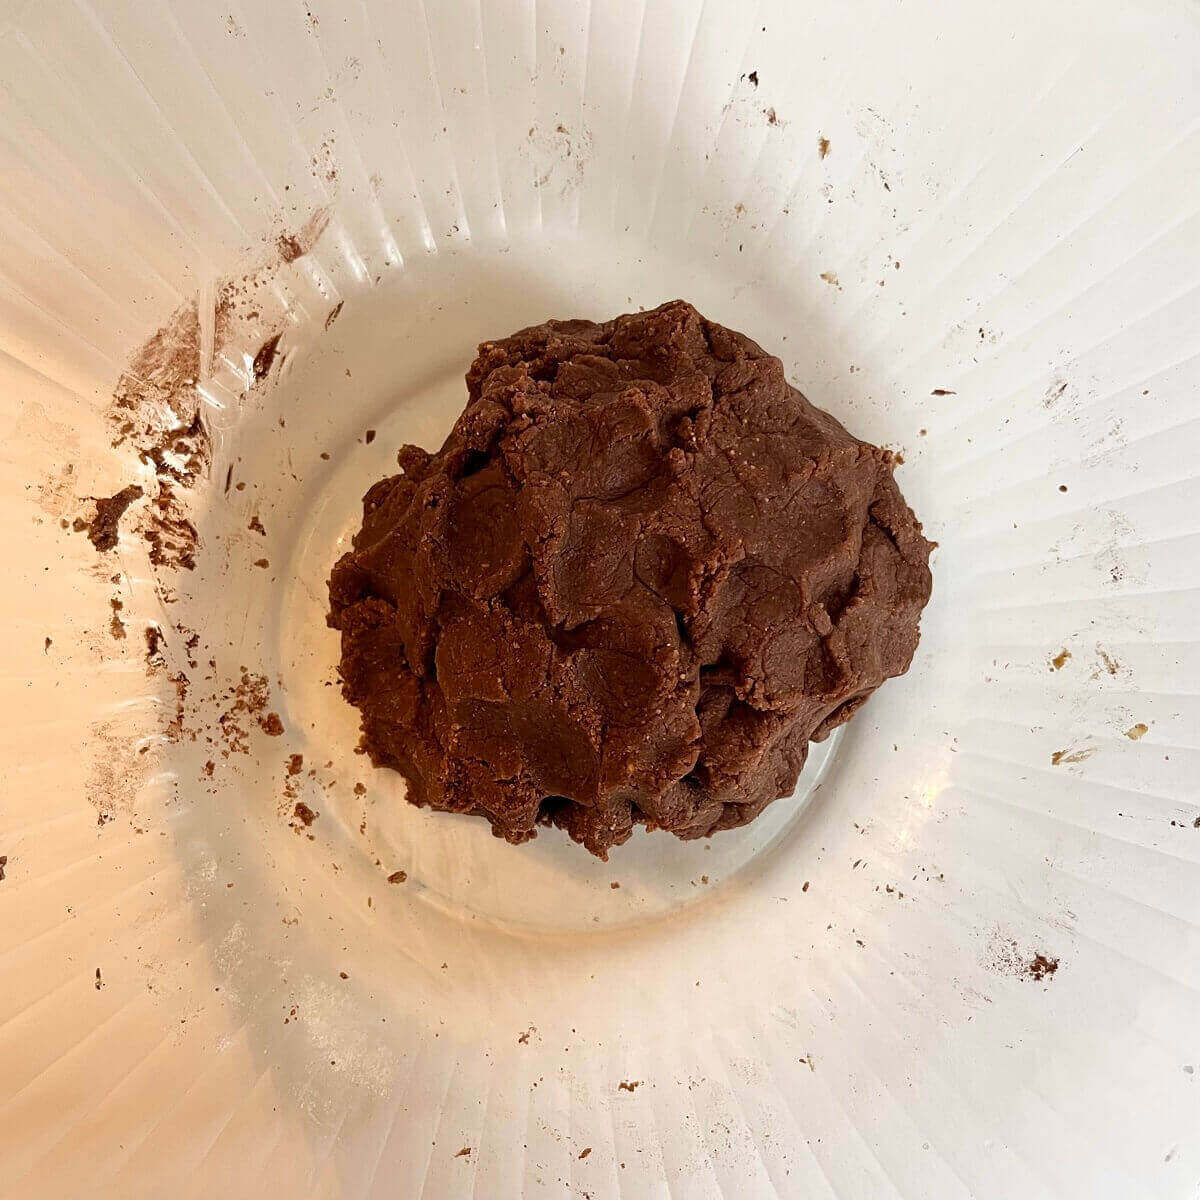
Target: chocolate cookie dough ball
column 641, row 575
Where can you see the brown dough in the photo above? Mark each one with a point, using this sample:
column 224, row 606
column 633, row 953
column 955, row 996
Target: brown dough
column 640, row 576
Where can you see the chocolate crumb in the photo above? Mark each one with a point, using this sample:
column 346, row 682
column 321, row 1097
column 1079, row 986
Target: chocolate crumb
column 753, row 77
column 626, row 1086
column 805, row 887
column 272, row 726
column 334, row 313
column 256, row 526
column 343, row 975
column 822, row 146
column 614, row 885
column 46, row 647
column 3, row 864
column 942, row 392
column 1006, row 958
column 228, row 477
column 1042, row 967
column 289, row 247
column 262, row 562
column 295, row 764
column 102, row 529
column 585, row 1152
column 1138, row 731
column 116, row 626
column 304, row 814
column 397, row 877
column 1060, row 660
column 464, row 1152
column 99, row 980
column 266, row 356
column 369, row 436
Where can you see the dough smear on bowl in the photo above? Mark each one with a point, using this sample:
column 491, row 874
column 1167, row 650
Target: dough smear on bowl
column 640, row 576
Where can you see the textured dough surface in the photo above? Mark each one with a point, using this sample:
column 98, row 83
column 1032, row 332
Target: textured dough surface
column 640, row 576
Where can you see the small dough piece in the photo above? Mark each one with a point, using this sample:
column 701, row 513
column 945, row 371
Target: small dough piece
column 641, row 575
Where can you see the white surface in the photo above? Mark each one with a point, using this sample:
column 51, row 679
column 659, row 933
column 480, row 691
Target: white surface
column 1006, row 214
